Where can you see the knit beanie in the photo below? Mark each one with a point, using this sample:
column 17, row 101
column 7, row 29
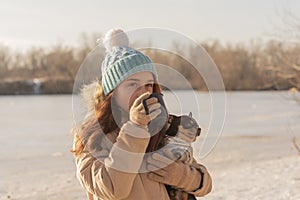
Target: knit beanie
column 121, row 61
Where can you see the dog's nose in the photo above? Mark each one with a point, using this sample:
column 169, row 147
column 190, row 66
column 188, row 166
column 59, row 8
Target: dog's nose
column 198, row 131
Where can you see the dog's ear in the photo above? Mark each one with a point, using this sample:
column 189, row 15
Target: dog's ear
column 190, row 115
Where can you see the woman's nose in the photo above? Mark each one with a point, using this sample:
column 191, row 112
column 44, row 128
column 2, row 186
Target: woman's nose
column 143, row 89
column 148, row 89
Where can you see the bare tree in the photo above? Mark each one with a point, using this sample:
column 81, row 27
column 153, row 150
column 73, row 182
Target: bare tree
column 288, row 52
column 5, row 58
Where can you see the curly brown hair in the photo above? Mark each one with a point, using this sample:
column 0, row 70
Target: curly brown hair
column 91, row 131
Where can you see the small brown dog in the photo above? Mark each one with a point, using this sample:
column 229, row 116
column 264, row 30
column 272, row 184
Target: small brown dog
column 182, row 131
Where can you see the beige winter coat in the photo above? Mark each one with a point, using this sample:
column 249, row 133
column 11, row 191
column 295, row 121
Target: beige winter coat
column 109, row 176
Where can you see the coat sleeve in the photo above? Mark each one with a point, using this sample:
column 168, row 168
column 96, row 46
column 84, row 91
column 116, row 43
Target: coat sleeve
column 111, row 176
column 205, row 185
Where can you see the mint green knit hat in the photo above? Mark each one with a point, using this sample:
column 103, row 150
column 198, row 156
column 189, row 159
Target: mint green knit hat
column 121, row 61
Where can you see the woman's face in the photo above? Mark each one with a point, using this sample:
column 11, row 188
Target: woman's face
column 133, row 87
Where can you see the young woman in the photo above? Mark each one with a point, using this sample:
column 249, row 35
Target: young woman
column 111, row 145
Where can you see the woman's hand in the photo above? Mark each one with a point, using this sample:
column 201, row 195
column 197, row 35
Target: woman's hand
column 137, row 112
column 173, row 173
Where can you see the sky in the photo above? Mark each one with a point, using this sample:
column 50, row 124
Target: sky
column 26, row 23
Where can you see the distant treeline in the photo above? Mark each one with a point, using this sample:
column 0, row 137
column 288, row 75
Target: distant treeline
column 273, row 65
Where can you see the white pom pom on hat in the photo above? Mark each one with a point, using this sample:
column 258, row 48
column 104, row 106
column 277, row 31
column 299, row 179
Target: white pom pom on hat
column 115, row 37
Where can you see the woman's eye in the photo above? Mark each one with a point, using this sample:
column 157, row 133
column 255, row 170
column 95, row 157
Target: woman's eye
column 149, row 85
column 133, row 84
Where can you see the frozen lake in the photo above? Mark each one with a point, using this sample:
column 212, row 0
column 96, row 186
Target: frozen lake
column 40, row 122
